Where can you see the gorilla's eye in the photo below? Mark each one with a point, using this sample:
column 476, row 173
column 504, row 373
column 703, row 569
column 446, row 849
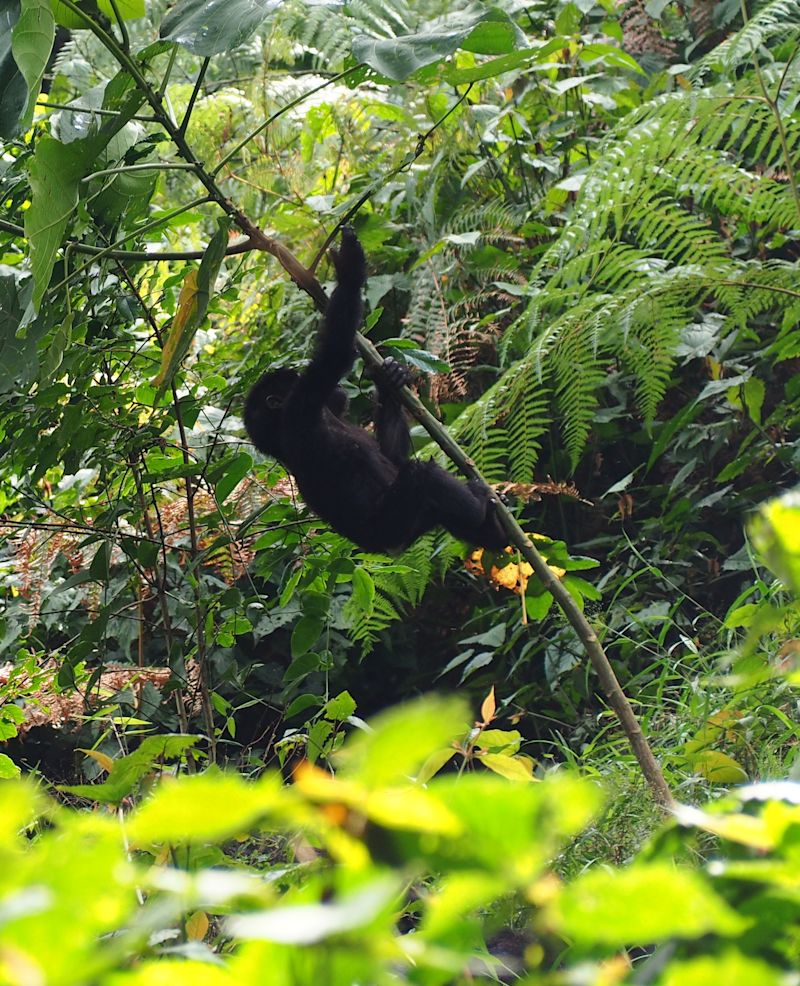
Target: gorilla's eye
column 273, row 402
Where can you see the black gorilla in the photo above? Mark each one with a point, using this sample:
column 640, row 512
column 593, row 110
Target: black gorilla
column 366, row 488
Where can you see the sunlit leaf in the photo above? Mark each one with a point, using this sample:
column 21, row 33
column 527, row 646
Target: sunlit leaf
column 731, row 968
column 597, row 906
column 209, row 806
column 401, row 740
column 513, row 768
column 197, row 925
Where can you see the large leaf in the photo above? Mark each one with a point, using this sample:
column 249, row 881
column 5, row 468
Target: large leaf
column 32, row 42
column 776, row 533
column 488, row 32
column 55, row 171
column 18, row 358
column 128, row 10
column 13, row 91
column 597, row 907
column 204, row 808
column 209, row 27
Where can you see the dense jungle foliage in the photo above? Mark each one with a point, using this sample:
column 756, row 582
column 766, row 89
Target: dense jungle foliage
column 582, row 223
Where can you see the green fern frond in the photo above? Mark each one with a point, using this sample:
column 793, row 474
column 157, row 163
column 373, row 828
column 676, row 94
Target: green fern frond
column 400, row 583
column 368, row 626
column 526, row 392
column 578, row 376
column 778, row 20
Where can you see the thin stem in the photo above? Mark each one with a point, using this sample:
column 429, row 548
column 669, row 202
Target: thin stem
column 126, row 43
column 168, row 72
column 193, row 98
column 242, row 246
column 191, row 490
column 129, row 168
column 92, row 109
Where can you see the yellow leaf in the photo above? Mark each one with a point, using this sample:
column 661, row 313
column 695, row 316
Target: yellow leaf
column 410, row 808
column 182, row 330
column 105, row 761
column 489, row 707
column 744, row 829
column 718, row 767
column 318, row 785
column 717, row 726
column 197, row 926
column 512, row 768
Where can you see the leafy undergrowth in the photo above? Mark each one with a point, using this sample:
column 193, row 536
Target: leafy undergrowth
column 415, row 855
column 369, row 876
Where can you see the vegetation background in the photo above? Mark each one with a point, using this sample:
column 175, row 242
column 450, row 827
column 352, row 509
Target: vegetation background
column 583, row 227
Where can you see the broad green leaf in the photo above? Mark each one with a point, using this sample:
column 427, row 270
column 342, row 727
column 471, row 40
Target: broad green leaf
column 742, row 616
column 8, row 769
column 299, row 668
column 21, row 802
column 776, row 533
column 363, row 590
column 19, row 360
column 174, row 972
column 434, row 764
column 210, row 27
column 511, row 829
column 60, row 342
column 717, row 767
column 499, row 740
column 305, row 634
column 72, row 889
column 301, row 703
column 205, row 807
column 749, row 396
column 341, row 707
column 235, row 471
column 495, row 34
column 596, row 908
column 13, row 90
column 488, row 70
column 732, row 968
column 410, row 808
column 55, row 172
column 490, row 32
column 32, row 43
column 456, row 896
column 401, row 740
column 127, row 194
column 610, row 55
column 761, row 832
column 129, row 10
